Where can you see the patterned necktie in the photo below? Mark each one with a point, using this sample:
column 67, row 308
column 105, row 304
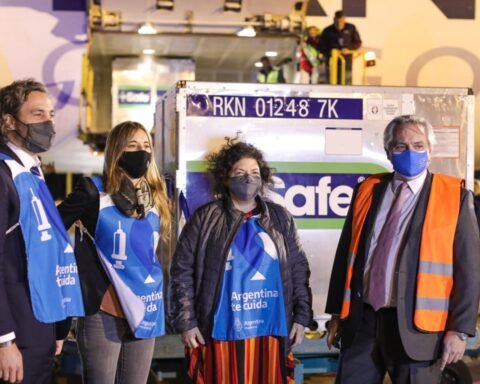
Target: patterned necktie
column 378, row 270
column 36, row 171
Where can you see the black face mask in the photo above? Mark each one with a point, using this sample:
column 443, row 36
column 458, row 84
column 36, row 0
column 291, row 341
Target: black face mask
column 39, row 136
column 135, row 164
column 245, row 187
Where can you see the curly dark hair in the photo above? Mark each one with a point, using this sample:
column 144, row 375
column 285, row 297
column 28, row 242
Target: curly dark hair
column 221, row 163
column 12, row 98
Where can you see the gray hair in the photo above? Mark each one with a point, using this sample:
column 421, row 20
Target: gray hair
column 420, row 122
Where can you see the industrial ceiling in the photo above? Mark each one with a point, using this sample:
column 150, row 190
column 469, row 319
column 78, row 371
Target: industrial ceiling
column 206, row 33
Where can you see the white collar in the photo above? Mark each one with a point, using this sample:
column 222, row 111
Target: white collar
column 415, row 184
column 28, row 160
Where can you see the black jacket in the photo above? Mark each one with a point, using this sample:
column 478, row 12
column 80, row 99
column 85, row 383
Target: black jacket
column 83, row 204
column 332, row 38
column 16, row 313
column 466, row 266
column 199, row 261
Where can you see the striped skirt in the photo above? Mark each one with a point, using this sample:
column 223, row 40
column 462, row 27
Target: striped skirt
column 259, row 360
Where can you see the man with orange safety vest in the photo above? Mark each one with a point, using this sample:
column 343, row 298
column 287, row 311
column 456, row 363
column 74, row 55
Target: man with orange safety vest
column 404, row 289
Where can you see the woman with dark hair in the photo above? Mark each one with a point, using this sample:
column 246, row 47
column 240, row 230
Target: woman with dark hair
column 239, row 290
column 120, row 219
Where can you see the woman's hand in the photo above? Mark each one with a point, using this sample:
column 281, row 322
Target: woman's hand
column 192, row 337
column 296, row 334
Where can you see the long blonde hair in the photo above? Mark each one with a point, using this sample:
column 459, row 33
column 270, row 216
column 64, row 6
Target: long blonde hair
column 117, row 140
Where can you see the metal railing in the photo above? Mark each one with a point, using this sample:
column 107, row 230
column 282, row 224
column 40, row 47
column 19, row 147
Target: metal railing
column 337, row 63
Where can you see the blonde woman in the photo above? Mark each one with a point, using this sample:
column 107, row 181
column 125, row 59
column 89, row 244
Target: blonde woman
column 121, row 217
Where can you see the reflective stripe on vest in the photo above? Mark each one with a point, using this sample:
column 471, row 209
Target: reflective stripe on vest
column 435, row 271
column 361, row 206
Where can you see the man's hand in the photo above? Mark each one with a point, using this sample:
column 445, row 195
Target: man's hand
column 296, row 334
column 11, row 364
column 453, row 349
column 192, row 337
column 58, row 347
column 332, row 329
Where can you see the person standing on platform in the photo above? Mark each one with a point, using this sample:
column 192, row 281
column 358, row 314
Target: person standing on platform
column 309, row 56
column 120, row 219
column 404, row 288
column 38, row 273
column 343, row 37
column 239, row 286
column 268, row 73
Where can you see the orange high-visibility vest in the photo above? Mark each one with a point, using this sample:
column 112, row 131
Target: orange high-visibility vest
column 435, row 266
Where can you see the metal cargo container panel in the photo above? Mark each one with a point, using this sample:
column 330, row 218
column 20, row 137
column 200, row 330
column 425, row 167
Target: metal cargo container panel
column 321, row 140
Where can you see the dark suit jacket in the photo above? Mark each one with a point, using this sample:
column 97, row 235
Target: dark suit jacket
column 466, row 290
column 16, row 313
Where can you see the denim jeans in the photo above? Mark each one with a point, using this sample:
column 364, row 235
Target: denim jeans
column 110, row 353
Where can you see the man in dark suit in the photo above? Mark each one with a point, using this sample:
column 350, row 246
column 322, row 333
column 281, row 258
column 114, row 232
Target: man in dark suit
column 27, row 346
column 404, row 288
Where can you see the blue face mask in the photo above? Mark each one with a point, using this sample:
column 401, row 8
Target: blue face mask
column 409, row 163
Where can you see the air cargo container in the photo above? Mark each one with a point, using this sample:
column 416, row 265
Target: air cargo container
column 321, row 141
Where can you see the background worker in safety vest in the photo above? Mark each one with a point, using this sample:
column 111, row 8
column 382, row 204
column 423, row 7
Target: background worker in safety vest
column 344, row 37
column 269, row 73
column 404, row 288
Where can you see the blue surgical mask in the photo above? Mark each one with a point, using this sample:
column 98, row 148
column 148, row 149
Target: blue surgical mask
column 409, row 163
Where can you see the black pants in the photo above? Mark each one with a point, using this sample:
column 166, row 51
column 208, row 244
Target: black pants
column 377, row 349
column 37, row 364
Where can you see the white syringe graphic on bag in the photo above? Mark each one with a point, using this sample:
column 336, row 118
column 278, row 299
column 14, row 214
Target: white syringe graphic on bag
column 119, row 246
column 41, row 216
column 150, row 279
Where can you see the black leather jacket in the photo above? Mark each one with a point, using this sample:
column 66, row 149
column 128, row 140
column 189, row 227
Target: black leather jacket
column 198, row 264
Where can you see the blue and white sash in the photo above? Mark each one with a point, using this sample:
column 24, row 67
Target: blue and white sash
column 251, row 301
column 52, row 269
column 126, row 247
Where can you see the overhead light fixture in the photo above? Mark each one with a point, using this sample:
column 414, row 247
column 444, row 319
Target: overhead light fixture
column 271, row 53
column 147, row 29
column 233, row 5
column 258, row 64
column 165, row 4
column 148, row 51
column 247, row 32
